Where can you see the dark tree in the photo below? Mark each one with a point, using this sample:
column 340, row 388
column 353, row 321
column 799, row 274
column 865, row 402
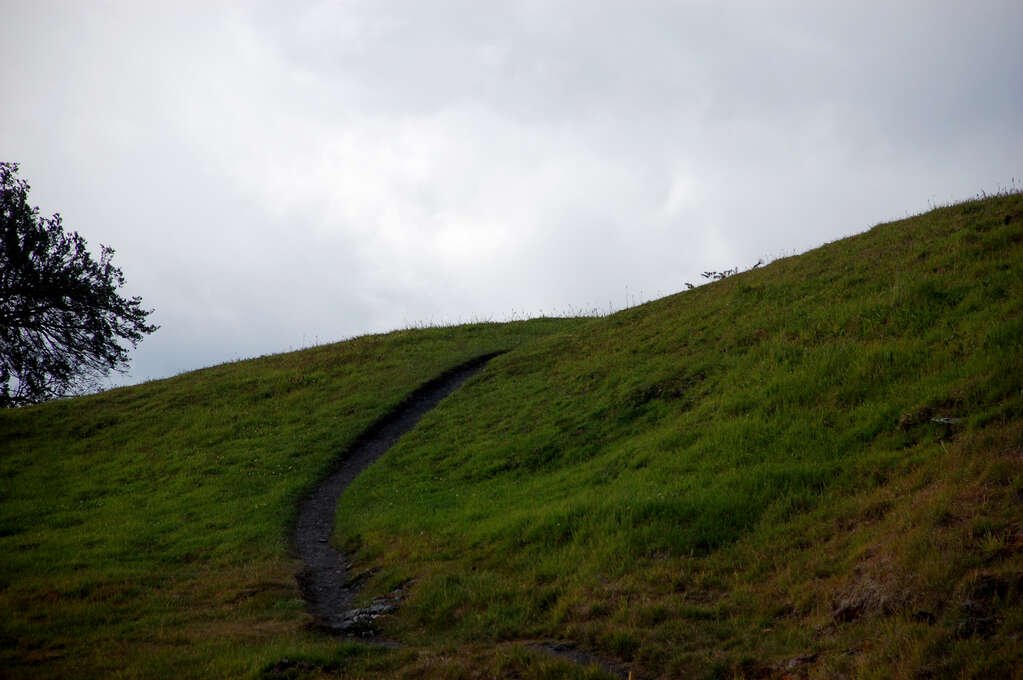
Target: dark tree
column 61, row 319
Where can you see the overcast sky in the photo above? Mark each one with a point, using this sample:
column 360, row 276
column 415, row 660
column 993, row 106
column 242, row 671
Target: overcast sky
column 276, row 175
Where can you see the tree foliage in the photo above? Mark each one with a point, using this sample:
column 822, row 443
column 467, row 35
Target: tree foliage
column 61, row 318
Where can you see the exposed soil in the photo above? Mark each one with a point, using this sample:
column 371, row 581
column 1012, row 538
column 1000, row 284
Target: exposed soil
column 324, row 580
column 569, row 652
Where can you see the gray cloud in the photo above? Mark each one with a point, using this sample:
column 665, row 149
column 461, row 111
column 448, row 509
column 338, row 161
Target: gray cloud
column 273, row 177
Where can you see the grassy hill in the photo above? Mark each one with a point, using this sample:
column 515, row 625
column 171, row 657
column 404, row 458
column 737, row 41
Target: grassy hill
column 748, row 479
column 144, row 531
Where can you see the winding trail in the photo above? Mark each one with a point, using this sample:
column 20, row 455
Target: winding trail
column 324, row 580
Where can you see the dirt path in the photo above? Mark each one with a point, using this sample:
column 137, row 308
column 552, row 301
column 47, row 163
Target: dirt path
column 324, row 581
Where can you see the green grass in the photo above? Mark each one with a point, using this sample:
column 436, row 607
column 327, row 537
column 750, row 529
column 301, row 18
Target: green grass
column 741, row 480
column 667, row 483
column 144, row 531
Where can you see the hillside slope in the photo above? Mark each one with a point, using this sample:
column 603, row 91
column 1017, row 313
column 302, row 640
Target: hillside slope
column 742, row 480
column 144, row 532
column 813, row 469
